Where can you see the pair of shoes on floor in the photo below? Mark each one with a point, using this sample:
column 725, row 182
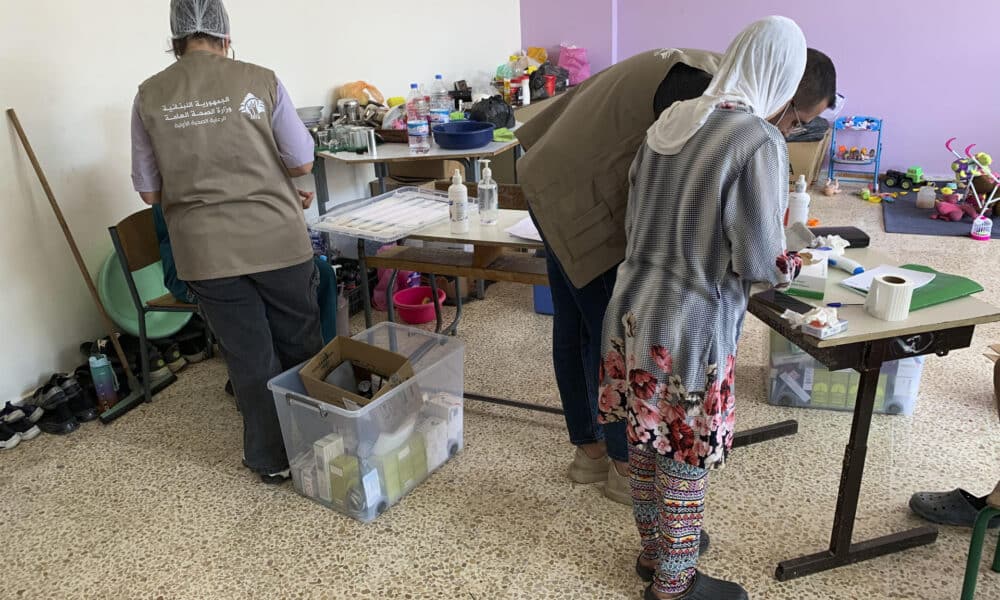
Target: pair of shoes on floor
column 19, row 424
column 65, row 404
column 588, row 470
column 191, row 341
column 706, row 588
column 159, row 371
column 171, row 355
column 646, row 574
column 958, row 508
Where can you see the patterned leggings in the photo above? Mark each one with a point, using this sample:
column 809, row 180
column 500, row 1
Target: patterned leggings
column 668, row 498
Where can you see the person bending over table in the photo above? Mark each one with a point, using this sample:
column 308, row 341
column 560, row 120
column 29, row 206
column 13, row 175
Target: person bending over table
column 216, row 143
column 575, row 178
column 708, row 192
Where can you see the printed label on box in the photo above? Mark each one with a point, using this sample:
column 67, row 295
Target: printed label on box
column 373, row 489
column 807, row 380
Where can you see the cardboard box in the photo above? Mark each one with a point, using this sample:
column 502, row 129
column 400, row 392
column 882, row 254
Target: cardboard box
column 806, row 158
column 391, row 367
column 425, row 169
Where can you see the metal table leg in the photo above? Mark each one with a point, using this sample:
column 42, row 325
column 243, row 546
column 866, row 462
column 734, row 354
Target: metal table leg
column 322, row 190
column 842, row 551
column 381, row 173
column 363, row 267
column 389, row 301
column 453, row 328
column 437, row 303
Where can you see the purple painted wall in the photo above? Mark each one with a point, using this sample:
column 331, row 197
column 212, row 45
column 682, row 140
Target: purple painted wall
column 908, row 63
column 586, row 23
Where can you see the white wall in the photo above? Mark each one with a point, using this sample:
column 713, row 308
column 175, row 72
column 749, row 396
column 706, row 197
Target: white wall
column 71, row 71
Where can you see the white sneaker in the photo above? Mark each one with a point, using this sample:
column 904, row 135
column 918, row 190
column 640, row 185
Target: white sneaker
column 618, row 487
column 585, row 470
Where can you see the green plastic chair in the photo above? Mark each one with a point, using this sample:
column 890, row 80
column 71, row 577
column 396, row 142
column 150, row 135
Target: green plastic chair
column 976, row 552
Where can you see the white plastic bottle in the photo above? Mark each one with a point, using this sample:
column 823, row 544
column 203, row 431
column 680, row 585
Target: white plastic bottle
column 798, row 203
column 441, row 103
column 417, row 125
column 489, row 201
column 458, row 200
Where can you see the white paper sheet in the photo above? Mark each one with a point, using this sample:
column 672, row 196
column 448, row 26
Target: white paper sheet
column 525, row 229
column 863, row 282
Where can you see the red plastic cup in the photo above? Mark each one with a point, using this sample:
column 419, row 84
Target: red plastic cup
column 550, row 85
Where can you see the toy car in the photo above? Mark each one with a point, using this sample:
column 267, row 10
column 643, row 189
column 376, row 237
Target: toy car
column 914, row 177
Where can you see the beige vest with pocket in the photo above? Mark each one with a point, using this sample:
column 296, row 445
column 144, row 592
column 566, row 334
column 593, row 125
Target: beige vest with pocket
column 579, row 151
column 230, row 206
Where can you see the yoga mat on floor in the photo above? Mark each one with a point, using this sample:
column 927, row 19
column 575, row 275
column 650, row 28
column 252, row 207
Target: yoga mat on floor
column 903, row 216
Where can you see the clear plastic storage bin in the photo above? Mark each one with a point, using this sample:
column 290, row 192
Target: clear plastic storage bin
column 798, row 379
column 361, row 462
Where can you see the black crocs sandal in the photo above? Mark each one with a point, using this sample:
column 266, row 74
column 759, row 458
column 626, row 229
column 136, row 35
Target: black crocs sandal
column 958, row 508
column 706, row 588
column 646, row 574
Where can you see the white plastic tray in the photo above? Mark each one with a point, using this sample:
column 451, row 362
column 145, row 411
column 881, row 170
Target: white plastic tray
column 387, row 218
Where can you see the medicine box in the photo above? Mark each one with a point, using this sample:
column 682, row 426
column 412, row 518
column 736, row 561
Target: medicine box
column 811, row 281
column 798, row 379
column 360, row 462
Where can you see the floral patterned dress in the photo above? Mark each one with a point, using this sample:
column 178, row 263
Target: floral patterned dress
column 703, row 225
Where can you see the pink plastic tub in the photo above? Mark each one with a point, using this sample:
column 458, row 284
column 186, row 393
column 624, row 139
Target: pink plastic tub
column 415, row 306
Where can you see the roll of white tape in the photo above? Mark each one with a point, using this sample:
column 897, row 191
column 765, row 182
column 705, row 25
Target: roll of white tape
column 889, row 298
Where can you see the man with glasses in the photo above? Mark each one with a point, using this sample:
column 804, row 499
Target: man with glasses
column 575, row 178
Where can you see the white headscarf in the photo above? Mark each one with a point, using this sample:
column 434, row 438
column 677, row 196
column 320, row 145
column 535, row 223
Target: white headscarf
column 762, row 69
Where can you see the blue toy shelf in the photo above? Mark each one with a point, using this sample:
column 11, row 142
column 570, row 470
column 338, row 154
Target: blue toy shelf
column 843, row 165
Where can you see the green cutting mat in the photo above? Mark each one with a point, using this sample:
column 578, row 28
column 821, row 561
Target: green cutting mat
column 944, row 288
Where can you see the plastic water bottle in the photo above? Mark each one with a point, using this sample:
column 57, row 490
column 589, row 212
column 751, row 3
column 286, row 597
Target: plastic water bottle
column 417, row 126
column 104, row 380
column 798, row 203
column 441, row 103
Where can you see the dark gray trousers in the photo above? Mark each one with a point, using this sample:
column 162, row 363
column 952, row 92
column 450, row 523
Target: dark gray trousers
column 266, row 323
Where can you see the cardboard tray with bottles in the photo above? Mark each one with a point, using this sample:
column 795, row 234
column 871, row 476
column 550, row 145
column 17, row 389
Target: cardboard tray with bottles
column 799, row 380
column 359, row 451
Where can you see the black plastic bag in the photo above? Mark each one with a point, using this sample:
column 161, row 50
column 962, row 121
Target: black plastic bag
column 493, row 110
column 537, row 83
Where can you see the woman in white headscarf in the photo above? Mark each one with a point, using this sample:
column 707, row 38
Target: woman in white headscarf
column 709, row 190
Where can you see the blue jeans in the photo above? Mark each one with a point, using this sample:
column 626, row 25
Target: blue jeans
column 576, row 354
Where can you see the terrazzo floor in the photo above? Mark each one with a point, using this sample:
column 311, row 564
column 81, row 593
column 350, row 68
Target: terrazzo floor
column 157, row 504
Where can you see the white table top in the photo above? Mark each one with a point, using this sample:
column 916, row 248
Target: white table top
column 480, row 235
column 388, row 153
column 863, row 327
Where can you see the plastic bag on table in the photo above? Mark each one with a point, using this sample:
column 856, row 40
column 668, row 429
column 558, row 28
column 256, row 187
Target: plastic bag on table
column 493, row 110
column 537, row 82
column 574, row 60
column 539, row 54
column 363, row 92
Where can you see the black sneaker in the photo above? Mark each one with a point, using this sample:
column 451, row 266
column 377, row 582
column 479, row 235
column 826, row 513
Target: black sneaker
column 193, row 347
column 31, row 412
column 58, row 418
column 172, row 356
column 8, row 437
column 25, row 428
column 84, row 409
column 158, row 369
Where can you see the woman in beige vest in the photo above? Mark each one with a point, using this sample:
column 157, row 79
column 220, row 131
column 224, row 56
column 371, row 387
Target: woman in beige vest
column 216, row 143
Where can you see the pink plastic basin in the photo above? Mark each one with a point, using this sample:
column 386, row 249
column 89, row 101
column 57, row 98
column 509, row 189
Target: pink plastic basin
column 411, row 306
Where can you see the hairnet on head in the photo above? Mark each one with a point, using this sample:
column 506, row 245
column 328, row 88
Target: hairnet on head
column 188, row 17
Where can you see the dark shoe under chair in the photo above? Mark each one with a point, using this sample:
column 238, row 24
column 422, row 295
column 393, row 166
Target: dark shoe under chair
column 958, row 508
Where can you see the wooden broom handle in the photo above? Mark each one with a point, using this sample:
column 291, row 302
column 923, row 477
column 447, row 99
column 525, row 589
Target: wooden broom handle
column 69, row 239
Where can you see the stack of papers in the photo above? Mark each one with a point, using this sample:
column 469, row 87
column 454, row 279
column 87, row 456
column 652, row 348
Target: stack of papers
column 863, row 282
column 525, row 229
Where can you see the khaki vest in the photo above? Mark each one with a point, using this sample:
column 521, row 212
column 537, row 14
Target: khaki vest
column 230, row 206
column 580, row 149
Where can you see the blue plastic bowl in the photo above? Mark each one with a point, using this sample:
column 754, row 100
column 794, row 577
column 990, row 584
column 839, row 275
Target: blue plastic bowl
column 463, row 135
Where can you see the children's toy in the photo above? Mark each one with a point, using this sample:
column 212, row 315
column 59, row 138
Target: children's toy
column 870, row 195
column 846, row 160
column 832, row 187
column 982, row 229
column 912, row 178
